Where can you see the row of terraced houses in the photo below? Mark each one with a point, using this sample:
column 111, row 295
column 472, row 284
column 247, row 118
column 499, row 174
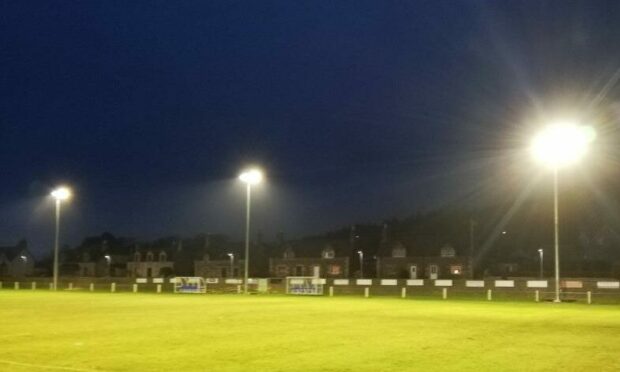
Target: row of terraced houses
column 107, row 256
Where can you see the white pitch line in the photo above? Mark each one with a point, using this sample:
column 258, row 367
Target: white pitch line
column 43, row 366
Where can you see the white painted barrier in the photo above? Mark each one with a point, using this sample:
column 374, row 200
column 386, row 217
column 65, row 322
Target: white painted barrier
column 389, row 282
column 141, row 280
column 608, row 285
column 322, row 281
column 504, row 283
column 363, row 282
column 341, row 281
column 234, row 281
column 212, row 280
column 537, row 284
column 474, row 283
column 415, row 282
column 158, row 280
column 443, row 283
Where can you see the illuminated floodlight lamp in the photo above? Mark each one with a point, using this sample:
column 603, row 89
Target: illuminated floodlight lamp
column 562, row 143
column 61, row 193
column 251, row 176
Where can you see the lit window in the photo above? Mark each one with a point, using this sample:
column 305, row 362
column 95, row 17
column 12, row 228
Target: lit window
column 456, row 269
column 334, row 270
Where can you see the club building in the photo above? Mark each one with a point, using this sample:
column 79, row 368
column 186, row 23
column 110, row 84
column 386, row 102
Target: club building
column 400, row 264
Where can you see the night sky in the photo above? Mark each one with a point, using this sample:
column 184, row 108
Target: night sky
column 357, row 110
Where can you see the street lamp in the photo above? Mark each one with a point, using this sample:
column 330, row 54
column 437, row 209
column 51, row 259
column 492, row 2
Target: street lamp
column 557, row 146
column 361, row 254
column 249, row 177
column 232, row 264
column 540, row 255
column 60, row 194
column 108, row 260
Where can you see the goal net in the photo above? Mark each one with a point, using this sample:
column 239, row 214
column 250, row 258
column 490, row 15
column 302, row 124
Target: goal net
column 189, row 284
column 304, row 285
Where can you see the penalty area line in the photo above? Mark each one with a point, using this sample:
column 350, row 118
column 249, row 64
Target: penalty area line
column 44, row 366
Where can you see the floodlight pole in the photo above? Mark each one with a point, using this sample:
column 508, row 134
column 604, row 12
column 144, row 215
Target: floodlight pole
column 556, row 234
column 247, row 238
column 56, row 243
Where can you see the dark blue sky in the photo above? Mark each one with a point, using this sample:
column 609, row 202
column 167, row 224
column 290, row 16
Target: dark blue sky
column 358, row 110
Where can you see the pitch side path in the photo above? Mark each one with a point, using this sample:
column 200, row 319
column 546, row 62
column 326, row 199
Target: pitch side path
column 43, row 331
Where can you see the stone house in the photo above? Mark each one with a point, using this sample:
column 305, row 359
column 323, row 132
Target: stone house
column 320, row 259
column 16, row 261
column 229, row 267
column 402, row 264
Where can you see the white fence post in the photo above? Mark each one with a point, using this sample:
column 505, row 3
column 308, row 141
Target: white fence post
column 366, row 292
column 51, row 286
column 135, row 288
column 444, row 293
column 16, row 286
column 589, row 297
column 238, row 289
column 70, row 286
column 489, row 294
column 113, row 287
column 537, row 296
column 91, row 287
column 331, row 291
column 33, row 286
column 403, row 292
column 158, row 288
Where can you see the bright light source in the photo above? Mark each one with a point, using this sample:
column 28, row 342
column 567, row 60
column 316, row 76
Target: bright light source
column 107, row 258
column 61, row 193
column 231, row 255
column 562, row 144
column 24, row 258
column 251, row 176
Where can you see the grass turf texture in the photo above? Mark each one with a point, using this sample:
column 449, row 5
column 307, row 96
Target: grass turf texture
column 148, row 332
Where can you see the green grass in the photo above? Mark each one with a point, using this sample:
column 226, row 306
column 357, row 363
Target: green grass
column 42, row 331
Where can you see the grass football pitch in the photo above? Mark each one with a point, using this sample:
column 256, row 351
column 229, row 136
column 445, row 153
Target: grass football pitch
column 43, row 331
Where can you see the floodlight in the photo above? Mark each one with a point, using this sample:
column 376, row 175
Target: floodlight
column 251, row 176
column 562, row 143
column 61, row 193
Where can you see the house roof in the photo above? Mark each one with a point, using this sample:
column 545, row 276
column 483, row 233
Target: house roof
column 10, row 252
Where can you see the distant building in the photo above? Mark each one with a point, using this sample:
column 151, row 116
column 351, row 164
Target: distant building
column 400, row 264
column 151, row 262
column 16, row 261
column 219, row 268
column 320, row 259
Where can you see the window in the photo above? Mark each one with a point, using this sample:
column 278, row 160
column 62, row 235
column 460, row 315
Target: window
column 162, row 256
column 334, row 270
column 328, row 253
column 282, row 270
column 456, row 269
